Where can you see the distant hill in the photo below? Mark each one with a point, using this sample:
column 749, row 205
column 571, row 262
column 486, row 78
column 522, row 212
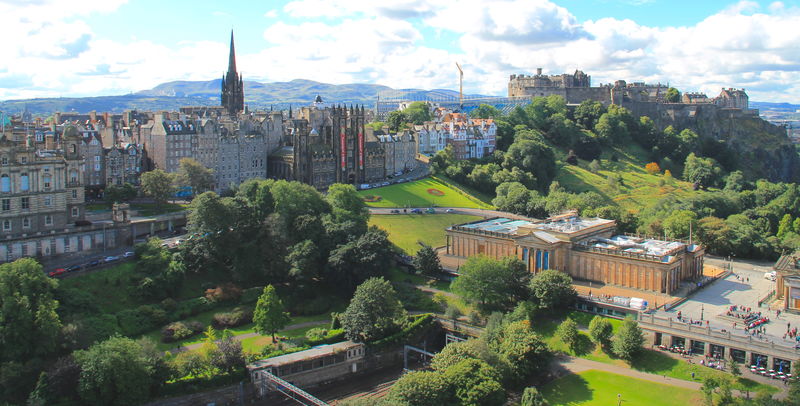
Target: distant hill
column 173, row 95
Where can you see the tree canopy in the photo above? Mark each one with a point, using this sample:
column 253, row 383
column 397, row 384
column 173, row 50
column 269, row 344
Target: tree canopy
column 269, row 315
column 493, row 284
column 158, row 184
column 552, row 289
column 374, row 311
column 193, row 174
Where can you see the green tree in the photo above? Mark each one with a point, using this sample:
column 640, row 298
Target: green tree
column 785, row 226
column 475, row 383
column 396, row 120
column 735, row 181
column 523, row 350
column 679, row 223
column 735, row 370
column 208, row 213
column 552, row 289
column 672, row 95
column 418, row 112
column 193, row 174
column 114, row 372
column 532, row 156
column 29, row 324
column 120, row 193
column 715, row 234
column 600, row 330
column 355, row 261
column 374, row 311
column 588, row 112
column 420, row 388
column 158, row 185
column 347, row 204
column 629, row 339
column 269, row 315
column 493, row 284
column 568, row 333
column 456, row 352
column 532, row 397
column 427, row 261
column 702, row 171
column 485, row 111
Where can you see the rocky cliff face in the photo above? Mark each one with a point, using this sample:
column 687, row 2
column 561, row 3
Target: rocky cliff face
column 763, row 149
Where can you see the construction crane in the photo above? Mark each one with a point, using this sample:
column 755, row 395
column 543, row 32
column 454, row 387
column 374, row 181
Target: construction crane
column 460, row 86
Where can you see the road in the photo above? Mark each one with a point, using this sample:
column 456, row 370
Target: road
column 443, row 210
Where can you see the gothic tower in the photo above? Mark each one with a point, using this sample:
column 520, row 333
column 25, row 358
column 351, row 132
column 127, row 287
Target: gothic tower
column 232, row 86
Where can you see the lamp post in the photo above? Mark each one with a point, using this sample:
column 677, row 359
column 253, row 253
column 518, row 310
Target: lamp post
column 701, row 311
column 619, row 399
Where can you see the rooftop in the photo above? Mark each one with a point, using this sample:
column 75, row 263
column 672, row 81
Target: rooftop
column 570, row 223
column 637, row 245
column 497, row 225
column 316, row 352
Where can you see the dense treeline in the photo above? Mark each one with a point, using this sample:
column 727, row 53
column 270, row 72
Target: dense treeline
column 730, row 214
column 57, row 346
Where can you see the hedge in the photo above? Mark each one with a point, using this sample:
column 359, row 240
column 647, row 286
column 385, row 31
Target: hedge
column 422, row 321
column 332, row 336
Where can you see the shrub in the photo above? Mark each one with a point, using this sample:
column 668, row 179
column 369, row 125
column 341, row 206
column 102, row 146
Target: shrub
column 332, row 336
column 317, row 305
column 316, row 333
column 154, row 314
column 223, row 293
column 652, row 168
column 452, row 312
column 193, row 307
column 169, row 304
column 140, row 320
column 180, row 330
column 74, row 301
column 572, row 159
column 236, row 317
column 98, row 328
column 250, row 295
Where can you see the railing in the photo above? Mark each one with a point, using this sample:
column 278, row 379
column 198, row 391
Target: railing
column 766, row 298
column 270, row 381
column 651, row 322
column 480, row 232
column 619, row 253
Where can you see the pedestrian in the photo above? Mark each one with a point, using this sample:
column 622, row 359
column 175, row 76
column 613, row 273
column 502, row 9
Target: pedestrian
column 692, row 375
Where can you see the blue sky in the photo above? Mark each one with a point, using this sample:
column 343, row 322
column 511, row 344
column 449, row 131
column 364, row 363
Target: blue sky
column 103, row 47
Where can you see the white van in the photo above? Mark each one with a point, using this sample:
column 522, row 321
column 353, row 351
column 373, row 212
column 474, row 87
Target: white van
column 771, row 276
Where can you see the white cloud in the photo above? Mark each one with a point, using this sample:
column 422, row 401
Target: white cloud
column 382, row 42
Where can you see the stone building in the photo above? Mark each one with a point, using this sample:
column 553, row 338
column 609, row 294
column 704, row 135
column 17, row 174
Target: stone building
column 587, row 249
column 400, row 150
column 232, row 97
column 93, row 163
column 733, row 98
column 787, row 283
column 123, row 164
column 168, row 140
column 694, row 98
column 41, row 191
column 431, row 138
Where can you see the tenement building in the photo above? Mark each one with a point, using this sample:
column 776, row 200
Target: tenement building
column 586, row 248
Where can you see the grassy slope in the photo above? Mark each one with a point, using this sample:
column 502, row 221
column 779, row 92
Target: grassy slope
column 406, row 229
column 601, row 388
column 639, row 189
column 415, row 194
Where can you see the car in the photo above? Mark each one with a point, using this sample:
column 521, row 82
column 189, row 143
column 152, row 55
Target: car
column 129, row 254
column 395, row 211
column 416, row 211
column 93, row 263
column 449, row 211
column 771, row 276
column 73, row 268
column 165, row 245
column 57, row 272
column 178, row 242
column 385, row 184
column 430, row 210
column 111, row 258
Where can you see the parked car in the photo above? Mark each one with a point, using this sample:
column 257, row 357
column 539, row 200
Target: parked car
column 430, row 210
column 449, row 211
column 129, row 254
column 112, row 258
column 73, row 268
column 57, row 272
column 385, row 184
column 395, row 211
column 93, row 263
column 771, row 276
column 416, row 211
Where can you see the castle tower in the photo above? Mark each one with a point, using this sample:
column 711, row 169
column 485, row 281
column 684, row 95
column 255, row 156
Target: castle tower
column 232, row 97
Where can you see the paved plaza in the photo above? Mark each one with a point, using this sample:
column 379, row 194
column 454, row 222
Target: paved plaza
column 714, row 300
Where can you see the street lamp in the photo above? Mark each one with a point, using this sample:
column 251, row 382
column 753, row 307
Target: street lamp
column 619, row 399
column 701, row 311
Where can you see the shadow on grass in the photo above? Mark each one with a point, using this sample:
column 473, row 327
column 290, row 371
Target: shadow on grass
column 571, row 389
column 654, row 362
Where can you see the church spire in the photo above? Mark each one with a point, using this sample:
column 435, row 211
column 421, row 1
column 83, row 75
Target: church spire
column 232, row 57
column 232, row 96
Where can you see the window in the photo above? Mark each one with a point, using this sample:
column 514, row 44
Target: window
column 24, row 182
column 24, row 160
column 4, row 160
column 6, row 225
column 6, row 204
column 97, row 158
column 73, row 176
column 25, row 203
column 47, row 181
column 48, row 220
column 74, row 212
column 73, row 148
column 74, row 194
column 97, row 167
column 26, row 223
column 48, row 201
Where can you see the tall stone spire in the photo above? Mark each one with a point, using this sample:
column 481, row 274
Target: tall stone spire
column 232, row 97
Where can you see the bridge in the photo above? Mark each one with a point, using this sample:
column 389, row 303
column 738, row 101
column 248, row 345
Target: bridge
column 266, row 382
column 458, row 330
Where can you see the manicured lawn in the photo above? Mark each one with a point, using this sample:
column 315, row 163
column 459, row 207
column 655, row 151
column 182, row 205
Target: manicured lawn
column 398, row 275
column 474, row 193
column 405, row 230
column 601, row 388
column 428, row 192
column 257, row 343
